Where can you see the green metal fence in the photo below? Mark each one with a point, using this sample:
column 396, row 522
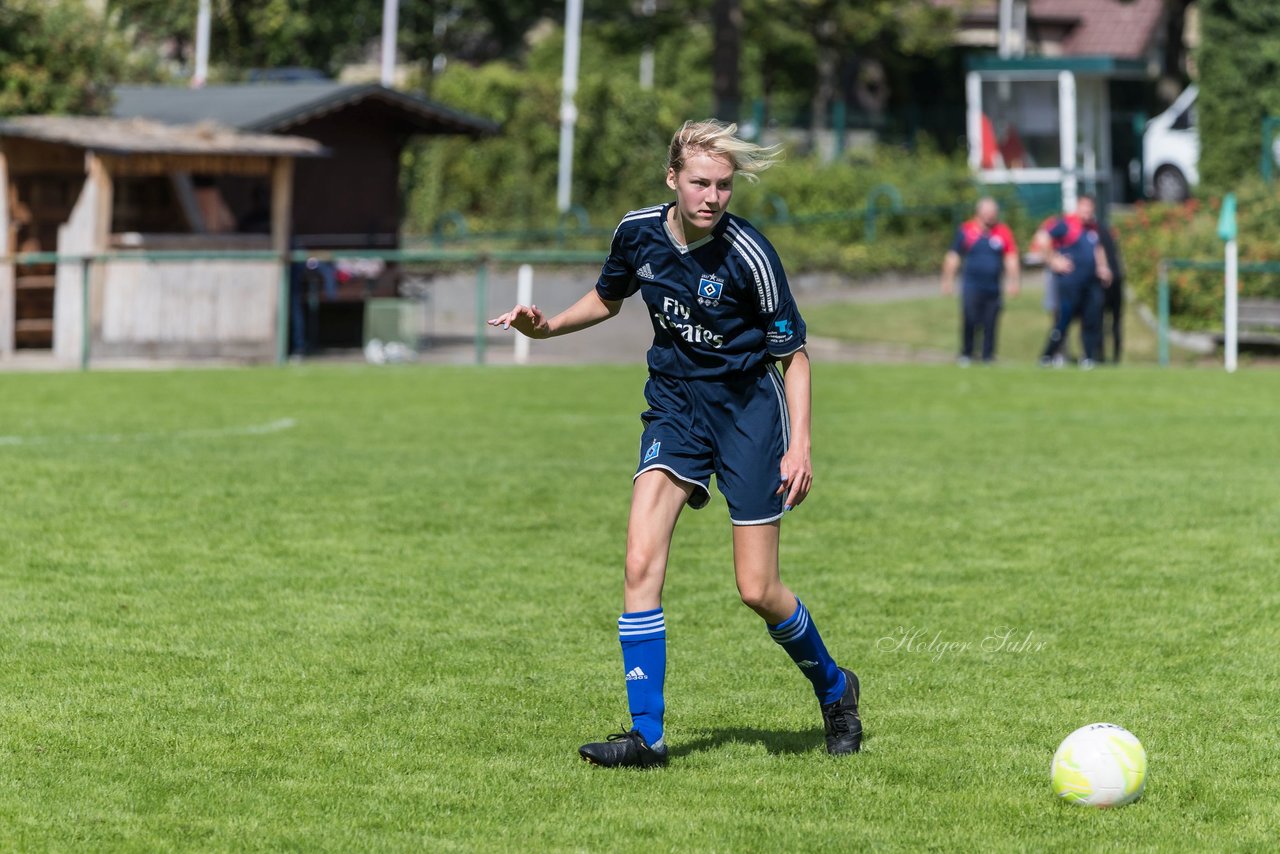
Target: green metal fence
column 1162, row 290
column 480, row 260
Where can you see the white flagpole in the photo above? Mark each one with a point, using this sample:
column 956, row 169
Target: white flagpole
column 524, row 296
column 1231, row 313
column 204, row 19
column 568, row 110
column 390, row 26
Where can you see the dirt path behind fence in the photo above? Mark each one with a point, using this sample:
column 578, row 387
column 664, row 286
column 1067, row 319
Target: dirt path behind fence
column 450, row 319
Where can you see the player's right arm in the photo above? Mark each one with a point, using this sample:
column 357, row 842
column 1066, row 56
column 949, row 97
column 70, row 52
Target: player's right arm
column 1012, row 266
column 617, row 282
column 952, row 260
column 529, row 320
column 950, row 266
column 1042, row 245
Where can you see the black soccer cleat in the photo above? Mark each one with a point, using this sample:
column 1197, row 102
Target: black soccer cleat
column 624, row 750
column 844, row 727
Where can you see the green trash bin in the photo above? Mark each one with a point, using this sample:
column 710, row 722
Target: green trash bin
column 391, row 319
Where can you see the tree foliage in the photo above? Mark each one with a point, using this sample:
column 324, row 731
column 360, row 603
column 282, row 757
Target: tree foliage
column 320, row 34
column 830, row 49
column 57, row 57
column 325, row 34
column 1238, row 58
column 506, row 185
column 509, row 181
column 789, row 49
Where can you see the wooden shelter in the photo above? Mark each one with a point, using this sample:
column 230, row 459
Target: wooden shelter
column 79, row 185
column 351, row 199
column 348, row 201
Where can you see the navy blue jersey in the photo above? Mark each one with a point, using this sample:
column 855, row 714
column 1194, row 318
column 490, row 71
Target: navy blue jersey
column 719, row 306
column 983, row 249
column 1077, row 240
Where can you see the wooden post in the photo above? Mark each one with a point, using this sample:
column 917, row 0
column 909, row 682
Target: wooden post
column 281, row 226
column 6, row 267
column 103, row 188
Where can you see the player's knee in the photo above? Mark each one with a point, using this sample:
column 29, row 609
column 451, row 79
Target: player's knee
column 758, row 596
column 642, row 566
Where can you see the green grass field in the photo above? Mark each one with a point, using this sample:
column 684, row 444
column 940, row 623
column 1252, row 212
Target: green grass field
column 933, row 325
column 349, row 608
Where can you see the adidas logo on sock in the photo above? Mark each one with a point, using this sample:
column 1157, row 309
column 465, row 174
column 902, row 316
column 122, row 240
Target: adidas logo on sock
column 635, row 673
column 645, row 272
column 807, row 664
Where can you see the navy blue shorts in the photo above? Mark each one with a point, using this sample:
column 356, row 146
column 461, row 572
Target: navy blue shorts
column 736, row 429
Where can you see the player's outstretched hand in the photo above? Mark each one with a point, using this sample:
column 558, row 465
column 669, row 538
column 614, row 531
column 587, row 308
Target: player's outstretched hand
column 525, row 319
column 797, row 477
column 1060, row 263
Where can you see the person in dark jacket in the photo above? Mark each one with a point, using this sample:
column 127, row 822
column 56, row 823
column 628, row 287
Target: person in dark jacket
column 1112, row 297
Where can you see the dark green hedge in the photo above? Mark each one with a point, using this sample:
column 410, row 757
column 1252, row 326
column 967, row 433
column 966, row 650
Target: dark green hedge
column 1238, row 60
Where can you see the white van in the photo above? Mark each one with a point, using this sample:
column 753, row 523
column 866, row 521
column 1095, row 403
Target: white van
column 1171, row 149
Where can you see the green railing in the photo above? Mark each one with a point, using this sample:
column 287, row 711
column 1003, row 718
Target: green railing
column 1162, row 290
column 480, row 260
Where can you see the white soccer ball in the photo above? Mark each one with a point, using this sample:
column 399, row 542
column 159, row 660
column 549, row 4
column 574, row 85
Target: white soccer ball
column 1099, row 765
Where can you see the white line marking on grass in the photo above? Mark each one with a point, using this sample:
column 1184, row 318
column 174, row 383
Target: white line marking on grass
column 277, row 426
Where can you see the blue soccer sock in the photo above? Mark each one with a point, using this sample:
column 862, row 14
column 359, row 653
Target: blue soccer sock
column 799, row 637
column 643, row 635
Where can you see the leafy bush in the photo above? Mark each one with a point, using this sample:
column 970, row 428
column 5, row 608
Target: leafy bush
column 58, row 58
column 509, row 182
column 843, row 219
column 815, row 213
column 1155, row 232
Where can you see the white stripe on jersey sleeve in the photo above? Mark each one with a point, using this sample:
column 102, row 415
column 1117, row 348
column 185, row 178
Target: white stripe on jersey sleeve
column 748, row 245
column 749, row 260
column 642, row 213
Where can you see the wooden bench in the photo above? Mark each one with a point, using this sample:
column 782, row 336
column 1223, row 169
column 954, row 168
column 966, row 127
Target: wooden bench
column 1258, row 321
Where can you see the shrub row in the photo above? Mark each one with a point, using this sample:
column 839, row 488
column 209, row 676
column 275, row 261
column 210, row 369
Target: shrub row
column 1155, row 232
column 508, row 184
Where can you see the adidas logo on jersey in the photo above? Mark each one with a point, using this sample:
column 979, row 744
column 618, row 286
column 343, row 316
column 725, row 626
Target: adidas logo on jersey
column 645, row 272
column 635, row 673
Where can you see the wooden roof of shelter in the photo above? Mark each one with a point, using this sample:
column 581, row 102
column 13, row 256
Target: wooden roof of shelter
column 141, row 147
column 278, row 107
column 139, row 136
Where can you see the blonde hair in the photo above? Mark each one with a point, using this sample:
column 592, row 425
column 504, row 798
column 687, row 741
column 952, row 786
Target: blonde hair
column 717, row 139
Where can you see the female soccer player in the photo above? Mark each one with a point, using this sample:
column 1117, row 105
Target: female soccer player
column 723, row 320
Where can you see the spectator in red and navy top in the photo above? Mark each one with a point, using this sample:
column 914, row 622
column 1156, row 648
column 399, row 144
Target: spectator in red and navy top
column 989, row 254
column 1080, row 271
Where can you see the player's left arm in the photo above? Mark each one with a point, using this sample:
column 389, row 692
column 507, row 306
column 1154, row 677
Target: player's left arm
column 784, row 340
column 1012, row 266
column 1104, row 269
column 797, row 467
